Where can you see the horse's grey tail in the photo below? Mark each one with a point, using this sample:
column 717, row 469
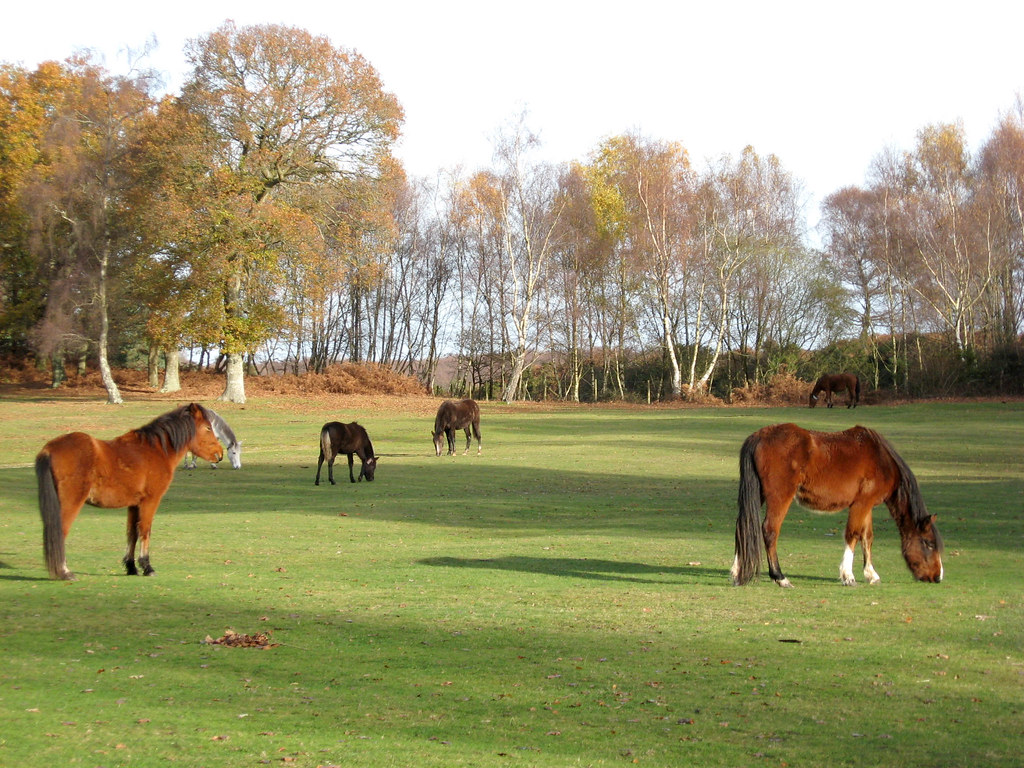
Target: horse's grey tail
column 49, row 509
column 748, row 526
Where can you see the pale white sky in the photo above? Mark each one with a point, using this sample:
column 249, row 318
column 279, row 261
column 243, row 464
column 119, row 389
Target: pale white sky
column 824, row 85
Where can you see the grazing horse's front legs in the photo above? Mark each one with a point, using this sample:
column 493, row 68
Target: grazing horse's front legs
column 858, row 528
column 139, row 527
column 133, row 537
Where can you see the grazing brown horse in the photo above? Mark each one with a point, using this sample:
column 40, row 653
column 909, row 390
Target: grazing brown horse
column 829, row 471
column 837, row 382
column 133, row 470
column 337, row 438
column 451, row 416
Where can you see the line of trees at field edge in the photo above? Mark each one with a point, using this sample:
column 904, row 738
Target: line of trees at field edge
column 258, row 220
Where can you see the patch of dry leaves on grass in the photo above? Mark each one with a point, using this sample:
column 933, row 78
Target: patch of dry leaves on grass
column 234, row 639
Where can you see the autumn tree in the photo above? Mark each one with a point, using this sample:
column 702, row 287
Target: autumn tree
column 530, row 208
column 749, row 209
column 655, row 187
column 1001, row 192
column 26, row 100
column 285, row 107
column 953, row 266
column 79, row 200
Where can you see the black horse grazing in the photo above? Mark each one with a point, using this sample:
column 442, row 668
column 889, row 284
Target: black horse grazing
column 451, row 416
column 837, row 382
column 337, row 438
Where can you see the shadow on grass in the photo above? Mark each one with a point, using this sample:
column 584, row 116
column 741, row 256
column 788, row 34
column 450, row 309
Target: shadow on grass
column 583, row 568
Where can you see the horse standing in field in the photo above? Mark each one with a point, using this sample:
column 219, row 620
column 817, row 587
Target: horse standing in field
column 451, row 416
column 837, row 382
column 337, row 438
column 133, row 471
column 227, row 438
column 829, row 471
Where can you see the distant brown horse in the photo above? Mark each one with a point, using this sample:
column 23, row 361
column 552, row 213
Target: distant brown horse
column 829, row 471
column 451, row 416
column 837, row 382
column 133, row 470
column 351, row 439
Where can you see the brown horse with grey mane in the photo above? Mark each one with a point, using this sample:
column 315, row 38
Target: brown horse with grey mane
column 830, row 471
column 837, row 382
column 451, row 415
column 133, row 470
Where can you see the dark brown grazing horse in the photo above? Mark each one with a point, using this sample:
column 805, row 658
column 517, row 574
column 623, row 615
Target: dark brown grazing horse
column 133, row 470
column 829, row 471
column 337, row 438
column 451, row 416
column 837, row 382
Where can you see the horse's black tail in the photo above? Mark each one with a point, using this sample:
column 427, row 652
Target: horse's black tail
column 748, row 525
column 49, row 509
column 856, row 397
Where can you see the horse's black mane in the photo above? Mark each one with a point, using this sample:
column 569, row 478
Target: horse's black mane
column 172, row 431
column 908, row 487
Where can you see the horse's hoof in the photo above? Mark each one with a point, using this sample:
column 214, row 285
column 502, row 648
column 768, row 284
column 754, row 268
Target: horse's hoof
column 785, row 583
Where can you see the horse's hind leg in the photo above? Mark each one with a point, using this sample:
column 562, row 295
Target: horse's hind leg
column 319, row 464
column 775, row 514
column 146, row 513
column 133, row 537
column 469, row 440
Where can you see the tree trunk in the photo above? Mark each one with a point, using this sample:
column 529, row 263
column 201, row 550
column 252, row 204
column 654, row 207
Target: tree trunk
column 58, row 373
column 234, row 390
column 153, row 366
column 516, row 377
column 172, row 377
column 113, row 393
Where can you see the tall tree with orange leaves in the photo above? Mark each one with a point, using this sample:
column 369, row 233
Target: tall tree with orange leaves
column 282, row 107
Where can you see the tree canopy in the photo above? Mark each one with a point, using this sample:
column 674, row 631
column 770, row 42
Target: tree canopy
column 258, row 221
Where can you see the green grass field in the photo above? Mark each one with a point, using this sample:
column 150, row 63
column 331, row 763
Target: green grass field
column 561, row 600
